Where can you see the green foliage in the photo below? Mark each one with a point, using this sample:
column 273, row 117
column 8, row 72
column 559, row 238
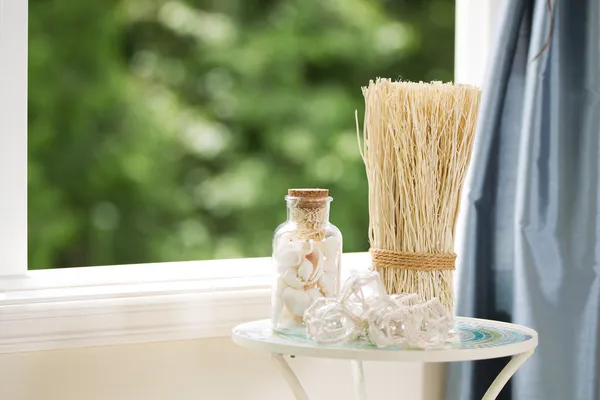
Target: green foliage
column 163, row 131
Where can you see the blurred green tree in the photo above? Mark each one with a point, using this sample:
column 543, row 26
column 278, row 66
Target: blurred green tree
column 170, row 130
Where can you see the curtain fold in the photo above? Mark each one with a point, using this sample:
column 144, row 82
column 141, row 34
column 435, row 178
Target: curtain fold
column 531, row 249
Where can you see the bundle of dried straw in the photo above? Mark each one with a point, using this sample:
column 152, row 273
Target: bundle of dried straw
column 416, row 145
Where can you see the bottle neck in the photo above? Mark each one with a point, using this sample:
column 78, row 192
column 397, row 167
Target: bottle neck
column 310, row 214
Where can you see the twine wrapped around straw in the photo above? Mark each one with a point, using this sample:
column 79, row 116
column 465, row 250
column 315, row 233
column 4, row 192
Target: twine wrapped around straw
column 413, row 261
column 416, row 144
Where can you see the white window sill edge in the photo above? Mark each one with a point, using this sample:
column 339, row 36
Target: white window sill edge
column 123, row 304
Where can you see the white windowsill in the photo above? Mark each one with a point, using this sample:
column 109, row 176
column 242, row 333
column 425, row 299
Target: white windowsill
column 92, row 306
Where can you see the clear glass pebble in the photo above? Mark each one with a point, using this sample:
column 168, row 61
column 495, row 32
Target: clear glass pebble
column 361, row 292
column 327, row 321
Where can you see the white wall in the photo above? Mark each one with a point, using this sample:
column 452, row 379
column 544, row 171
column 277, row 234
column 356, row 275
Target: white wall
column 197, row 370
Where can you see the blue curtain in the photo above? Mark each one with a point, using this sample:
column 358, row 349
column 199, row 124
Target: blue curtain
column 532, row 249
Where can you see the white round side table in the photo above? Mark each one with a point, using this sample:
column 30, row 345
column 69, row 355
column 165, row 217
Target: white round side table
column 479, row 339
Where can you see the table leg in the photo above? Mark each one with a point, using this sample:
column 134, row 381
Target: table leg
column 359, row 380
column 505, row 375
column 290, row 377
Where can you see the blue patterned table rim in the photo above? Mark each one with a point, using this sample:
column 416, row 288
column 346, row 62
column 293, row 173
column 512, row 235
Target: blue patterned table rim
column 472, row 334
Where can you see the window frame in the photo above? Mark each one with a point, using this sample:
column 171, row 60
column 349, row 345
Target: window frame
column 475, row 23
column 13, row 137
column 49, row 309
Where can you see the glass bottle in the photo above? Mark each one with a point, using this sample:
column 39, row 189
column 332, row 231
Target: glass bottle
column 307, row 251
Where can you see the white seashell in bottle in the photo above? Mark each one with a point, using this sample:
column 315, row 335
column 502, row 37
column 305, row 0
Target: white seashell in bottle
column 329, row 284
column 287, row 255
column 290, row 277
column 305, row 270
column 296, row 300
column 314, row 294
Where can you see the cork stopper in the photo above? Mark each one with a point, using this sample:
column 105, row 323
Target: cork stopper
column 309, row 194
